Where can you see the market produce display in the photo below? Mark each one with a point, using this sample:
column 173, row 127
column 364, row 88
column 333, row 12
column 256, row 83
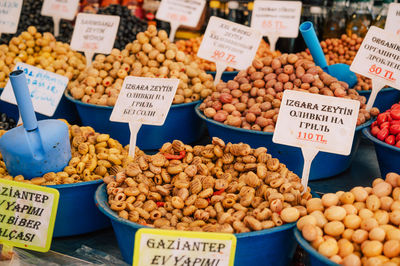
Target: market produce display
column 40, row 50
column 252, row 99
column 219, row 187
column 387, row 126
column 6, row 122
column 30, row 16
column 94, row 156
column 191, row 47
column 129, row 25
column 150, row 55
column 357, row 227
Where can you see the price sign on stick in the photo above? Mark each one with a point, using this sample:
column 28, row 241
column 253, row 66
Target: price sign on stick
column 228, row 44
column 46, row 89
column 393, row 19
column 143, row 101
column 167, row 247
column 59, row 9
column 180, row 12
column 27, row 215
column 378, row 59
column 316, row 123
column 94, row 34
column 276, row 19
column 10, row 11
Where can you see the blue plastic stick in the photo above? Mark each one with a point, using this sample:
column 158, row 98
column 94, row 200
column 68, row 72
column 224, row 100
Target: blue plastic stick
column 311, row 39
column 21, row 92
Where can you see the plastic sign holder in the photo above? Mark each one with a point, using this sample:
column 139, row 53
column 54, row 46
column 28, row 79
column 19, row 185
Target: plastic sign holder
column 27, row 215
column 378, row 59
column 316, row 123
column 46, row 89
column 276, row 19
column 392, row 23
column 143, row 101
column 228, row 44
column 172, row 247
column 10, row 11
column 180, row 12
column 94, row 34
column 59, row 9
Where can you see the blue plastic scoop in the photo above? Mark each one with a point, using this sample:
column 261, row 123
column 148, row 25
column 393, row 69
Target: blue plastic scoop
column 340, row 71
column 36, row 147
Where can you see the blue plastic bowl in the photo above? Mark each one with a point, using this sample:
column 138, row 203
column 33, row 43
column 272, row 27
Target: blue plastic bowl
column 324, row 165
column 77, row 213
column 388, row 155
column 385, row 98
column 182, row 123
column 65, row 110
column 273, row 246
column 315, row 258
column 226, row 76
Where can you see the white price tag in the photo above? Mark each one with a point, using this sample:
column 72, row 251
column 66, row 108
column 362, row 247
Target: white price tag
column 229, row 44
column 143, row 101
column 316, row 123
column 46, row 89
column 94, row 34
column 378, row 59
column 393, row 19
column 10, row 11
column 59, row 9
column 167, row 247
column 276, row 19
column 180, row 12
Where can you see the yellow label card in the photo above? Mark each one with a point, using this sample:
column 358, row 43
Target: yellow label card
column 172, row 247
column 27, row 215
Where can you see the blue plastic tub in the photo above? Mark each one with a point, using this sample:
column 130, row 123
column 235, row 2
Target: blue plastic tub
column 388, row 155
column 385, row 98
column 182, row 123
column 314, row 258
column 324, row 165
column 273, row 246
column 77, row 213
column 226, row 76
column 65, row 110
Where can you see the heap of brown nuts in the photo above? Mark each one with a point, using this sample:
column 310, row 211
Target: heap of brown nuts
column 150, row 55
column 94, row 156
column 252, row 99
column 358, row 227
column 42, row 51
column 191, row 47
column 219, row 187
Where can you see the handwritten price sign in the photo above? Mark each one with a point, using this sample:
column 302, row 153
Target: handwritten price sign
column 393, row 19
column 46, row 89
column 10, row 10
column 378, row 59
column 180, row 12
column 316, row 123
column 94, row 34
column 276, row 19
column 229, row 43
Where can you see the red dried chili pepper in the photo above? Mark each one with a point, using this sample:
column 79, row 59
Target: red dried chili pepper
column 175, row 157
column 219, row 192
column 160, row 203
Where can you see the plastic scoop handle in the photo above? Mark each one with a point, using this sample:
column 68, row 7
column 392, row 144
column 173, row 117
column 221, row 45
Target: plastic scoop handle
column 21, row 92
column 310, row 37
